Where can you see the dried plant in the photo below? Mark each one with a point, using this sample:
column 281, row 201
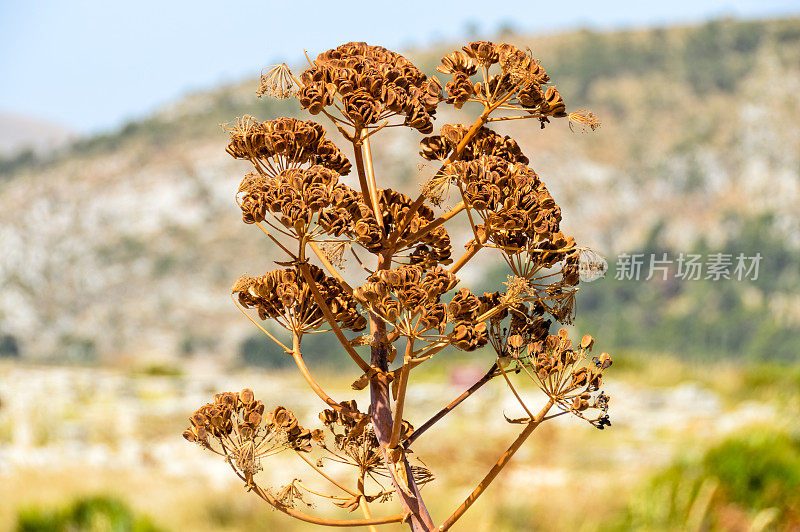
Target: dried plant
column 410, row 295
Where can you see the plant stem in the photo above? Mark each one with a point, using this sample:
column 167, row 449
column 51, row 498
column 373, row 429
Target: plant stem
column 397, row 518
column 501, row 463
column 301, row 365
column 401, row 395
column 367, row 192
column 326, row 311
column 322, row 473
column 381, row 412
column 362, row 502
column 467, row 256
column 444, row 411
column 373, row 187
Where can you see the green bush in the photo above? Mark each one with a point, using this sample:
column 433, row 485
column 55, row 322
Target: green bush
column 758, row 473
column 9, row 347
column 90, row 514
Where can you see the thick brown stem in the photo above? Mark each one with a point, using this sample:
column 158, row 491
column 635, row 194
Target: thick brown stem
column 410, row 498
column 501, row 463
column 381, row 412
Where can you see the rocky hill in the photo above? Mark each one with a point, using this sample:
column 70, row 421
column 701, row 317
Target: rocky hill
column 126, row 244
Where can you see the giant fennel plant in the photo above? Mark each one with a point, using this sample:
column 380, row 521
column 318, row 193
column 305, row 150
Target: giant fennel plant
column 410, row 303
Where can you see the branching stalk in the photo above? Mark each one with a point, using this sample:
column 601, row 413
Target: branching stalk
column 449, row 408
column 401, row 395
column 501, row 463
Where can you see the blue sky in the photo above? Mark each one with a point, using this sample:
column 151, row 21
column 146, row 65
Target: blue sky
column 90, row 65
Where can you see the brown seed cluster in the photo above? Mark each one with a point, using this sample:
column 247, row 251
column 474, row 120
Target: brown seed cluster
column 518, row 212
column 351, row 216
column 284, row 143
column 565, row 373
column 409, row 289
column 526, row 325
column 370, row 84
column 353, row 436
column 469, row 334
column 296, row 196
column 235, row 425
column 284, row 295
column 485, row 142
column 520, row 82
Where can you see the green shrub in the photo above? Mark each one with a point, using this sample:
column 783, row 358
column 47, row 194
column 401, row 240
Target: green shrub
column 758, row 473
column 90, row 514
column 9, row 347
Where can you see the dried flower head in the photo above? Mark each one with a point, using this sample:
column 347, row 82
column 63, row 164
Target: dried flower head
column 583, row 120
column 289, row 494
column 592, row 265
column 235, row 426
column 373, row 84
column 284, row 296
column 355, row 444
column 277, row 81
column 567, row 374
column 484, row 143
column 284, row 143
column 521, row 82
column 352, row 217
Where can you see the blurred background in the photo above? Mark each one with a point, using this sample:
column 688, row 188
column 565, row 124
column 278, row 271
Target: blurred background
column 120, row 239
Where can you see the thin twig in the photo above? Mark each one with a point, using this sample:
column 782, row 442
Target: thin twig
column 457, row 401
column 322, row 473
column 397, row 518
column 362, row 501
column 254, row 322
column 326, row 311
column 314, row 385
column 401, row 395
column 514, row 391
column 329, row 267
column 498, row 466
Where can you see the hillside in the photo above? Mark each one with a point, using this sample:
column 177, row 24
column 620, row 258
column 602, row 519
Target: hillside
column 127, row 243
